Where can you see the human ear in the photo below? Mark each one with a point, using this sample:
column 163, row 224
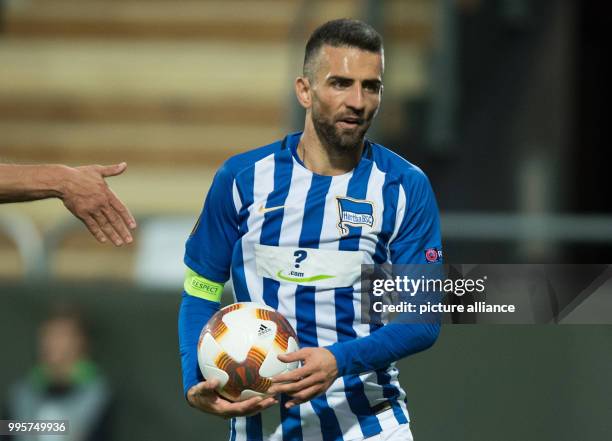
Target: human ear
column 302, row 92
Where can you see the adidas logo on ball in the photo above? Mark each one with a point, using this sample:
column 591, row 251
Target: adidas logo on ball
column 263, row 329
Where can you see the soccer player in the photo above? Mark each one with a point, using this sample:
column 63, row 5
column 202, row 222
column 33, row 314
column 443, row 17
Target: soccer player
column 317, row 203
column 83, row 190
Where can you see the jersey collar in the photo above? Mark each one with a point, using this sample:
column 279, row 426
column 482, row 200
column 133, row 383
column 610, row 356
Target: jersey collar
column 291, row 141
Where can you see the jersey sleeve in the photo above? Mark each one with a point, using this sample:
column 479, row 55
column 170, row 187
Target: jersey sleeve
column 417, row 237
column 416, row 240
column 208, row 251
column 208, row 255
column 384, row 346
column 193, row 315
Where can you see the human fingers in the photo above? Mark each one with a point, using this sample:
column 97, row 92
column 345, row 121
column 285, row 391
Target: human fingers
column 204, row 397
column 248, row 407
column 298, row 355
column 123, row 211
column 204, row 387
column 304, row 395
column 200, row 395
column 94, row 228
column 112, row 170
column 295, row 386
column 294, row 375
column 104, row 224
column 116, row 221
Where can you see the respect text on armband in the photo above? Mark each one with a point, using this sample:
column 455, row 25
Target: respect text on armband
column 203, row 286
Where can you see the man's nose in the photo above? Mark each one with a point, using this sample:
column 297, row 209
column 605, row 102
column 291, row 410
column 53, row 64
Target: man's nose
column 354, row 98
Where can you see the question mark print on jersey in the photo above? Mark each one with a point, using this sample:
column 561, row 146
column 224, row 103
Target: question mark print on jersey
column 299, row 255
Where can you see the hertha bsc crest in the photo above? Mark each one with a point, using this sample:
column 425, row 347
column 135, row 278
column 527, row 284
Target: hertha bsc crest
column 354, row 212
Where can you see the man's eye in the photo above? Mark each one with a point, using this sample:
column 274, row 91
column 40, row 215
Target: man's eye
column 372, row 87
column 341, row 83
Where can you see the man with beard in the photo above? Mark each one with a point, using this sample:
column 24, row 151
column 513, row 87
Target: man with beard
column 335, row 200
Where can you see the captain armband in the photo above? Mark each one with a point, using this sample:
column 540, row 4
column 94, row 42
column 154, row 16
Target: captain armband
column 198, row 286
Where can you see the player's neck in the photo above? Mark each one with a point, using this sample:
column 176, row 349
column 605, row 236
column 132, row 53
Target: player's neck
column 323, row 160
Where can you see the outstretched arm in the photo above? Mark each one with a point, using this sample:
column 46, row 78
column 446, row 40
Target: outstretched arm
column 83, row 190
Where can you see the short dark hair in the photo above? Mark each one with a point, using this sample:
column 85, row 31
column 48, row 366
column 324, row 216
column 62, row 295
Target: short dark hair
column 342, row 32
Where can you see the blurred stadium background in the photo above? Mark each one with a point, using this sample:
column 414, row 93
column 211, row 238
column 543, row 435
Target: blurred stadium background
column 501, row 102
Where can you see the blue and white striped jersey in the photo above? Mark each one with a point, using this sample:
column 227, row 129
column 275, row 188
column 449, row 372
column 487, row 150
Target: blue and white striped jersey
column 295, row 241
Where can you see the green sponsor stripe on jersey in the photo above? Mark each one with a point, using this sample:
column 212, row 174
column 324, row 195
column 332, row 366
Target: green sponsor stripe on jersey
column 201, row 287
column 280, row 275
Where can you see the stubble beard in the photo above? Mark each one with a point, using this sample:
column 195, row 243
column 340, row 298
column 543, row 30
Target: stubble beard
column 339, row 141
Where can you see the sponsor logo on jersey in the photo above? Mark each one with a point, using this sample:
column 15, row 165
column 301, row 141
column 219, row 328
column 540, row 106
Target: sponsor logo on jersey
column 433, row 255
column 298, row 276
column 264, row 210
column 354, row 212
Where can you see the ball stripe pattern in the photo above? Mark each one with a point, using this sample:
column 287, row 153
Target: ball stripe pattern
column 245, row 374
column 216, row 326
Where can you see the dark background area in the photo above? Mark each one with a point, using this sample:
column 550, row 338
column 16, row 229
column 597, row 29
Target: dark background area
column 532, row 92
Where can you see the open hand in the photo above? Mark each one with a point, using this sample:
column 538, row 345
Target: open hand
column 204, row 397
column 87, row 195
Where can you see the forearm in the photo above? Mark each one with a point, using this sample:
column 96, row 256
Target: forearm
column 193, row 315
column 384, row 346
column 31, row 182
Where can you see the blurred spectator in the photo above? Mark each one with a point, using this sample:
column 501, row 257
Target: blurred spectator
column 65, row 384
